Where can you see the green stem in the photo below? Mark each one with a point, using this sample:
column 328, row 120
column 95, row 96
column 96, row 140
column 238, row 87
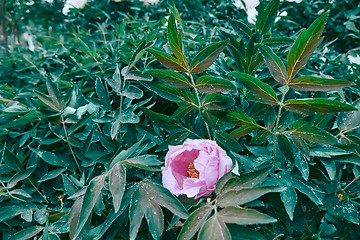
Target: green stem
column 200, row 105
column 341, row 133
column 9, row 193
column 355, row 179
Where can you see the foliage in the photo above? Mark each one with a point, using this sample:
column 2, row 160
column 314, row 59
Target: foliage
column 86, row 118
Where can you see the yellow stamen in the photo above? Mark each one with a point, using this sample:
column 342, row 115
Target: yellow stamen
column 193, row 173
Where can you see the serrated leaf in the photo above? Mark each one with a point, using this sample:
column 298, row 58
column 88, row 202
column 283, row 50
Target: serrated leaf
column 194, row 222
column 170, row 77
column 242, row 196
column 50, row 157
column 311, row 133
column 92, row 194
column 244, row 216
column 260, row 89
column 275, row 65
column 165, row 91
column 322, row 105
column 27, row 233
column 209, row 84
column 242, row 131
column 166, row 60
column 310, row 83
column 306, row 43
column 218, row 101
column 155, row 219
column 117, row 182
column 163, row 197
column 289, row 199
column 214, row 229
column 206, row 57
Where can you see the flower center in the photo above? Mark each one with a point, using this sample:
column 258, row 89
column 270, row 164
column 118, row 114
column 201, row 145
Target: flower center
column 193, row 173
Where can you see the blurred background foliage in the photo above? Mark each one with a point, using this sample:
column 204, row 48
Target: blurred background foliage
column 70, row 114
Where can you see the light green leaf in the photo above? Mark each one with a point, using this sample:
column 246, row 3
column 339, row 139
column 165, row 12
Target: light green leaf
column 206, row 57
column 310, row 83
column 244, row 216
column 214, row 229
column 194, row 222
column 260, row 89
column 117, row 182
column 209, row 84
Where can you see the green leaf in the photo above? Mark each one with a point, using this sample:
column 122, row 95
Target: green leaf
column 244, row 216
column 306, row 43
column 155, row 219
column 300, row 144
column 147, row 159
column 194, row 222
column 73, row 216
column 310, row 83
column 138, row 205
column 27, row 233
column 163, row 197
column 266, row 16
column 222, row 181
column 214, row 229
column 48, row 101
column 54, row 94
column 322, row 105
column 170, row 77
column 311, row 133
column 242, row 196
column 208, row 84
column 92, row 194
column 241, row 29
column 246, row 180
column 166, row 60
column 10, row 211
column 277, row 42
column 103, row 94
column 260, row 89
column 244, row 233
column 218, row 101
column 275, row 65
column 161, row 119
column 242, row 131
column 125, row 154
column 289, row 199
column 117, row 182
column 165, row 91
column 234, row 118
column 50, row 158
column 285, row 146
column 206, row 57
column 174, row 38
column 260, row 138
column 314, row 194
column 349, row 120
column 19, row 177
column 52, row 174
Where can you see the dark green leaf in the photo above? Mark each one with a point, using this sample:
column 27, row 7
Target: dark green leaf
column 242, row 131
column 314, row 195
column 103, row 94
column 277, row 42
column 52, row 174
column 244, row 233
column 218, row 101
column 322, row 105
column 165, row 91
column 222, row 181
column 206, row 57
column 310, row 83
column 174, row 38
column 285, row 146
column 48, row 101
column 311, row 133
column 289, row 199
column 125, row 154
column 275, row 65
column 208, row 84
column 117, row 182
column 170, row 77
column 194, row 222
column 300, row 144
column 306, row 43
column 27, row 233
column 166, row 60
column 92, row 194
column 266, row 16
column 161, row 119
column 10, row 211
column 244, row 216
column 54, row 94
column 260, row 89
column 138, row 205
column 19, row 177
column 260, row 138
column 155, row 219
column 214, row 229
column 234, row 118
column 50, row 157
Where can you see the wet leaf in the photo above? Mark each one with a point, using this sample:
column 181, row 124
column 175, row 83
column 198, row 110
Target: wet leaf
column 214, row 229
column 311, row 133
column 155, row 219
column 27, row 233
column 289, row 199
column 117, row 182
column 244, row 216
column 310, row 83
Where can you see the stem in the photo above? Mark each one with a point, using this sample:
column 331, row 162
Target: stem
column 9, row 193
column 341, row 133
column 198, row 98
column 67, row 140
column 355, row 179
column 38, row 191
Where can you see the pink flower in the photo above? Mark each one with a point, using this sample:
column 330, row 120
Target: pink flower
column 194, row 167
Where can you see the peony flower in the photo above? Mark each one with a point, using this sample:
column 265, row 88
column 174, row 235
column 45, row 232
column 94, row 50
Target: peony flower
column 73, row 4
column 194, row 168
column 249, row 7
